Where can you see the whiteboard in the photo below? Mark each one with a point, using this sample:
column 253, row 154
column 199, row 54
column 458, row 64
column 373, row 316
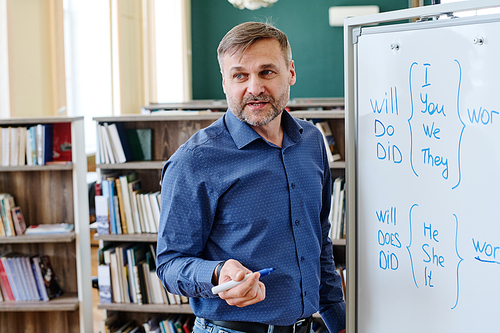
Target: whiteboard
column 428, row 176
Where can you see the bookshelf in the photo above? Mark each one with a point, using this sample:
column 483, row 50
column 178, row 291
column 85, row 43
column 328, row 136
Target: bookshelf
column 171, row 130
column 49, row 194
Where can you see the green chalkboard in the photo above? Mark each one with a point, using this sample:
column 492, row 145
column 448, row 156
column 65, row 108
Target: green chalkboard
column 317, row 47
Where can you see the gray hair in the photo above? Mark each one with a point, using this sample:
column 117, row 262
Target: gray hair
column 242, row 36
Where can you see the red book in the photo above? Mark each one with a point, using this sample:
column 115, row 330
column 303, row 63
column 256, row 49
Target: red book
column 62, row 142
column 5, row 285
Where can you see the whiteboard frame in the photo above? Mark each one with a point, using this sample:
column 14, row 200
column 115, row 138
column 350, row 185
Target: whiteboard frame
column 352, row 29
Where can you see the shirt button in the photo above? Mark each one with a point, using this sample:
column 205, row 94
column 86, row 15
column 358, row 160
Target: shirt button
column 297, row 222
column 293, row 185
column 305, row 293
column 302, row 259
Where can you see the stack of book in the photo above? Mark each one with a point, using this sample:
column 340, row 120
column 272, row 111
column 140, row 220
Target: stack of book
column 12, row 222
column 127, row 274
column 119, row 145
column 36, row 145
column 45, row 229
column 337, row 210
column 332, row 151
column 156, row 324
column 27, row 278
column 122, row 207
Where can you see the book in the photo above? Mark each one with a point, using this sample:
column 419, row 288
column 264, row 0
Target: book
column 5, row 146
column 18, row 219
column 5, row 284
column 330, row 145
column 34, row 149
column 121, row 206
column 134, row 187
column 115, row 278
column 117, row 216
column 110, row 154
column 101, row 214
column 144, row 269
column 122, row 133
column 104, row 283
column 50, row 279
column 14, row 146
column 124, row 181
column 138, row 259
column 116, row 143
column 130, row 275
column 336, row 206
column 141, row 141
column 149, row 211
column 62, row 149
column 17, row 279
column 39, row 144
column 108, row 186
column 30, row 278
column 2, row 228
column 29, row 146
column 156, row 287
column 7, row 203
column 22, row 145
column 114, row 214
column 142, row 212
column 187, row 325
column 48, row 143
column 37, row 272
column 123, row 272
column 103, row 150
column 156, row 210
column 100, row 158
column 57, row 228
column 10, row 276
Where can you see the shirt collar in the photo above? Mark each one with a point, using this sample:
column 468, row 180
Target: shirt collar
column 243, row 134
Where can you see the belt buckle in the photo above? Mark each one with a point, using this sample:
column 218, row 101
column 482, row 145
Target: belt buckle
column 299, row 322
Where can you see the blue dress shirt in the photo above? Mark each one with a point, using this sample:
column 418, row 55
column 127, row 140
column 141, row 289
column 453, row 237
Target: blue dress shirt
column 229, row 194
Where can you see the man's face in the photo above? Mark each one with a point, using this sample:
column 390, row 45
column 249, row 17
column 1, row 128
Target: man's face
column 257, row 83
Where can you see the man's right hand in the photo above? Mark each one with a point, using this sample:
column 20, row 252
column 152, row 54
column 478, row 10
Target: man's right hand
column 249, row 292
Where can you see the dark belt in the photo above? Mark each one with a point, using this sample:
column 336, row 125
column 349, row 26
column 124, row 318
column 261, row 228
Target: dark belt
column 301, row 326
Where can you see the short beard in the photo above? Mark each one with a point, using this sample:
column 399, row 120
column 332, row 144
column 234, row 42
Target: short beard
column 277, row 107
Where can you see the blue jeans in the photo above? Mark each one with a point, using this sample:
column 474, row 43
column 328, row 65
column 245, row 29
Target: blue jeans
column 202, row 326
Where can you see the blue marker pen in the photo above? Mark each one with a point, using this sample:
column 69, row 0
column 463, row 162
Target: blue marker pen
column 230, row 284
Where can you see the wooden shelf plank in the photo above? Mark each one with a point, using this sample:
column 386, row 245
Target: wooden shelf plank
column 337, row 165
column 159, row 165
column 133, row 165
column 150, row 308
column 323, row 114
column 49, row 167
column 341, row 242
column 161, row 116
column 127, row 237
column 67, row 302
column 45, row 238
column 153, row 238
column 222, row 104
column 40, row 120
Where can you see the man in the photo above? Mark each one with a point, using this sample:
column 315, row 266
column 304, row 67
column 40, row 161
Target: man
column 252, row 191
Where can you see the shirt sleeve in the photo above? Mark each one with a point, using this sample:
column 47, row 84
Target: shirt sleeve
column 332, row 306
column 187, row 211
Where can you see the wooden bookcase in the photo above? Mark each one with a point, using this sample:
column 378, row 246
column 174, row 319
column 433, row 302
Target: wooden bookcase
column 169, row 132
column 52, row 194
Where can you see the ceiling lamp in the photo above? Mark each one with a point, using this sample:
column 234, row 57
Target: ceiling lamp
column 252, row 4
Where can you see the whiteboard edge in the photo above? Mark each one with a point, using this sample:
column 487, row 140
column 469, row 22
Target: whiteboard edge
column 350, row 88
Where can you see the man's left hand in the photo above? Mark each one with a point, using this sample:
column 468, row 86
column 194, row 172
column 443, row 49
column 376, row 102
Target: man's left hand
column 249, row 292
